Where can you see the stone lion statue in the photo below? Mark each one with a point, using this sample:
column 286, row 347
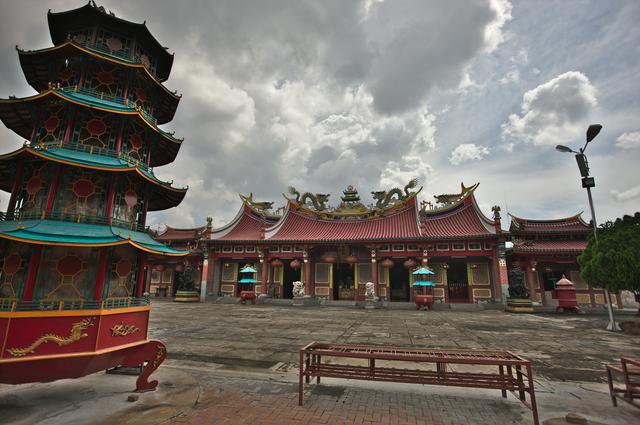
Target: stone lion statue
column 370, row 291
column 298, row 289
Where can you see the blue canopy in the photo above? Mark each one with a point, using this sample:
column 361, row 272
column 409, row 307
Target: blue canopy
column 247, row 280
column 423, row 283
column 248, row 269
column 423, row 270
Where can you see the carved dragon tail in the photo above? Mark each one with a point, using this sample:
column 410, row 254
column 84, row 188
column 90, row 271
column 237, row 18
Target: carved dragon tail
column 292, row 190
column 412, row 183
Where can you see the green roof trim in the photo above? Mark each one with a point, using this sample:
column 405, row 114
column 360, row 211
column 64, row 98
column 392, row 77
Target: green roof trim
column 67, row 233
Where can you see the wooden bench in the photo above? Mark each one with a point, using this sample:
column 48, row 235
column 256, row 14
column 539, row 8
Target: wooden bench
column 629, row 370
column 512, row 373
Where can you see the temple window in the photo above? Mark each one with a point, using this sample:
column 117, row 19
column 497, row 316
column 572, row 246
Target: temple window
column 114, row 44
column 34, row 190
column 67, row 273
column 442, row 247
column 238, row 249
column 227, row 249
column 249, row 249
column 94, row 129
column 457, row 247
column 122, row 272
column 286, row 249
column 399, row 247
column 81, row 193
column 473, row 246
column 128, row 203
column 384, row 248
column 53, row 124
column 274, row 249
column 412, row 247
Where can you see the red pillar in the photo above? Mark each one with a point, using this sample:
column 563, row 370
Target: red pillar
column 309, row 286
column 53, row 187
column 530, row 282
column 374, row 272
column 264, row 273
column 32, row 273
column 111, row 193
column 102, row 272
column 140, row 284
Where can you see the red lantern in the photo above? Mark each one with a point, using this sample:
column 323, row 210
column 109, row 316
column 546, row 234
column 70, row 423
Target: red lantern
column 179, row 267
column 329, row 259
column 351, row 259
column 277, row 263
column 159, row 267
column 410, row 263
column 387, row 263
column 295, row 264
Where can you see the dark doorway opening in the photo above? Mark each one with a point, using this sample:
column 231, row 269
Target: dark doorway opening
column 550, row 278
column 458, row 283
column 290, row 275
column 399, row 282
column 343, row 282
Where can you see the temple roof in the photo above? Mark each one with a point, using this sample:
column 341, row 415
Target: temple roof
column 247, row 225
column 295, row 226
column 176, row 234
column 572, row 224
column 63, row 23
column 17, row 115
column 576, row 246
column 162, row 194
column 51, row 232
column 36, row 66
column 458, row 217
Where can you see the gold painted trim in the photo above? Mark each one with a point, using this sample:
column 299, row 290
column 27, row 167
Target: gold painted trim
column 67, row 313
column 75, row 334
column 123, row 330
column 81, row 354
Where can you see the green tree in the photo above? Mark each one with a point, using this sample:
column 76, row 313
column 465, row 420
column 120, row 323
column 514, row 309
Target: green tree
column 613, row 262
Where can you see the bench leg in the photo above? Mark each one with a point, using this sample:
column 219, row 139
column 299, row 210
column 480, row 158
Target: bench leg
column 318, row 361
column 611, row 392
column 502, row 378
column 307, row 362
column 300, row 381
column 532, row 396
column 520, row 382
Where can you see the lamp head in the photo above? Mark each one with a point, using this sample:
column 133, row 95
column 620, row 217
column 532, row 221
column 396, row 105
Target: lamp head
column 593, row 131
column 562, row 148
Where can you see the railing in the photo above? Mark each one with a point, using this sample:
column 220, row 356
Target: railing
column 97, row 94
column 71, row 218
column 111, row 153
column 129, row 57
column 13, row 304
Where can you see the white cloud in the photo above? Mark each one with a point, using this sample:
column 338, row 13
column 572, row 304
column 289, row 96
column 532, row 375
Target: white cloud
column 467, row 152
column 510, row 77
column 493, row 32
column 553, row 112
column 629, row 140
column 626, row 195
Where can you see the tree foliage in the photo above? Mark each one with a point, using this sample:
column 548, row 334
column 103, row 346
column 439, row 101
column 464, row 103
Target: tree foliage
column 613, row 261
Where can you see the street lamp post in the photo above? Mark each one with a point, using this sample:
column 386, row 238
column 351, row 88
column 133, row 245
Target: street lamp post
column 588, row 182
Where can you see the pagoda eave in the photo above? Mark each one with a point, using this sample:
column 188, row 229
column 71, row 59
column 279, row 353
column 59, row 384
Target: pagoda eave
column 36, row 67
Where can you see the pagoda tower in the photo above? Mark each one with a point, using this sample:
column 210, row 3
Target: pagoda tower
column 73, row 240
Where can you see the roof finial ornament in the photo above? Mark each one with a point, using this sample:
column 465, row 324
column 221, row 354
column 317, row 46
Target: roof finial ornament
column 496, row 212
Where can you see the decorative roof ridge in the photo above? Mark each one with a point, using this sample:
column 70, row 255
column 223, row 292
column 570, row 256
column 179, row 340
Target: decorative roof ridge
column 488, row 223
column 110, row 58
column 462, row 196
column 575, row 217
column 62, row 94
column 273, row 229
column 259, row 208
column 387, row 213
column 182, row 229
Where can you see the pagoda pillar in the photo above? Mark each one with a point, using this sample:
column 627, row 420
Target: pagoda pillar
column 32, row 274
column 374, row 272
column 530, row 282
column 53, row 187
column 102, row 272
column 140, row 284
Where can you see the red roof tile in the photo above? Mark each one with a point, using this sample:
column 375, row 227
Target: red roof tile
column 295, row 226
column 463, row 222
column 551, row 246
column 561, row 225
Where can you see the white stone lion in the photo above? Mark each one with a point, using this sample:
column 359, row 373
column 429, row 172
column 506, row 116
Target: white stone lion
column 298, row 289
column 370, row 291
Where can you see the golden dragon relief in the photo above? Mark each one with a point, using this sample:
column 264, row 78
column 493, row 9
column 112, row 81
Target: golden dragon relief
column 75, row 335
column 123, row 330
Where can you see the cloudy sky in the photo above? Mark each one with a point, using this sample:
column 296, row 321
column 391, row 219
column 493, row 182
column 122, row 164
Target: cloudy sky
column 323, row 94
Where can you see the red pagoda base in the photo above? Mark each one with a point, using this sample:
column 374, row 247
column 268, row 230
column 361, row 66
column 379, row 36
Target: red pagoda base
column 46, row 346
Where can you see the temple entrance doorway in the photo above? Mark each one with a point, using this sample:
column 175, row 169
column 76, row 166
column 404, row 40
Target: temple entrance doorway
column 290, row 275
column 458, row 283
column 399, row 282
column 343, row 282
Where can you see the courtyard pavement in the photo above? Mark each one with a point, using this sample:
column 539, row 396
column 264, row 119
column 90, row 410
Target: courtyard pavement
column 245, row 358
column 234, row 364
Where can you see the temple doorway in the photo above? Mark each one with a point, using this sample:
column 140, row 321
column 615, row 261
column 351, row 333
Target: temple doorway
column 399, row 282
column 290, row 275
column 343, row 282
column 458, row 283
